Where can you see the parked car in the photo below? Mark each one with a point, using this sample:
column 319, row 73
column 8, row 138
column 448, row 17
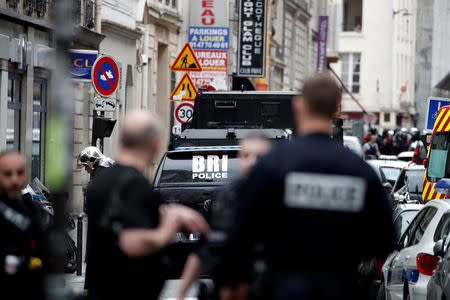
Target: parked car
column 409, row 267
column 403, row 214
column 439, row 284
column 387, row 157
column 390, row 168
column 409, row 184
column 406, row 155
column 379, row 171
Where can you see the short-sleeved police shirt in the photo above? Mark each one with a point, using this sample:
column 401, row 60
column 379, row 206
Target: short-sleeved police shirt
column 317, row 207
column 110, row 273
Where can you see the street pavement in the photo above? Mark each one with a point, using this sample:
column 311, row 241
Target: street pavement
column 75, row 284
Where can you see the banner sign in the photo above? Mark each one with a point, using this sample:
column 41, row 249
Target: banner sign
column 207, row 13
column 322, row 44
column 81, row 62
column 252, row 38
column 215, row 66
column 209, row 38
column 212, row 60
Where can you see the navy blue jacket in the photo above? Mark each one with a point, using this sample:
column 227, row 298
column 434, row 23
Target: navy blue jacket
column 301, row 234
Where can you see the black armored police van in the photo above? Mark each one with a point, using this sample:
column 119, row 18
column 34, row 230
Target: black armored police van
column 205, row 155
column 223, row 118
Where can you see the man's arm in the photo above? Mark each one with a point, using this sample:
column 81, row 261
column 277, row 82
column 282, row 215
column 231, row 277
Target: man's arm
column 136, row 242
column 364, row 148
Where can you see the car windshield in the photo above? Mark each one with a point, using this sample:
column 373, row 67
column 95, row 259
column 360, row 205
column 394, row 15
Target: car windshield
column 403, row 220
column 391, row 173
column 414, row 178
column 199, row 167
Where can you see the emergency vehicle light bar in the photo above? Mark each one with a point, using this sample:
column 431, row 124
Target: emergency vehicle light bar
column 443, row 186
column 210, row 148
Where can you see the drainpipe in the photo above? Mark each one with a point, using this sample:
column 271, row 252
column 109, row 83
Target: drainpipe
column 98, row 16
column 3, row 102
column 144, row 100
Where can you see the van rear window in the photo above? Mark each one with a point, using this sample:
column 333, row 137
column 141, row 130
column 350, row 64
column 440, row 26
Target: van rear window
column 200, row 167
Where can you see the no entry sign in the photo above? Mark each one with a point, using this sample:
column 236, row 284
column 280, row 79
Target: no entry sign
column 184, row 112
column 105, row 75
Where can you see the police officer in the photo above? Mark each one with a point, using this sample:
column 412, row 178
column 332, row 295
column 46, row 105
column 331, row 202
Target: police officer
column 220, row 215
column 318, row 208
column 128, row 229
column 93, row 160
column 21, row 240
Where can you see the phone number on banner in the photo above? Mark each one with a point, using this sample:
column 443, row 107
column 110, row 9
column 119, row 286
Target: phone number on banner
column 214, row 38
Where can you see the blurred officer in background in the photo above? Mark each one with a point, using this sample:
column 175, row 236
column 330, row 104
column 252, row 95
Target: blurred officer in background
column 318, row 208
column 21, row 238
column 93, row 161
column 127, row 227
column 221, row 214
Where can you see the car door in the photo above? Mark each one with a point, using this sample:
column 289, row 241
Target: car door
column 443, row 233
column 403, row 266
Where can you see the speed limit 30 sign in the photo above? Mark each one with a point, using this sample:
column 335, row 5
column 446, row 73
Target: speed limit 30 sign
column 184, row 113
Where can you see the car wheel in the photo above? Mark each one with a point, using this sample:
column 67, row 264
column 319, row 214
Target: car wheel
column 406, row 295
column 381, row 295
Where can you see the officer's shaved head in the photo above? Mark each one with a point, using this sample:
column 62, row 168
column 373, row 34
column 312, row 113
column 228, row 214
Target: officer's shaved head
column 13, row 175
column 321, row 94
column 140, row 129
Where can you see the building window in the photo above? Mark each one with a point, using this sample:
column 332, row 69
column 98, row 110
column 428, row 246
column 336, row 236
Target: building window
column 174, row 3
column 39, row 114
column 387, row 117
column 352, row 15
column 351, row 70
column 14, row 112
